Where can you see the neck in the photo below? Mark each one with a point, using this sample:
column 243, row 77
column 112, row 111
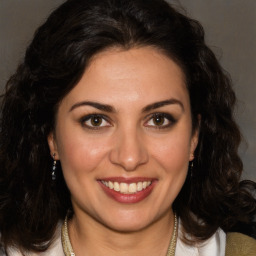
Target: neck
column 89, row 237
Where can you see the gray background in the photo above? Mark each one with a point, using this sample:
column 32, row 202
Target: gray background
column 230, row 27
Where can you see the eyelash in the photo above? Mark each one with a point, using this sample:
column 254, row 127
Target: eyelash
column 167, row 117
column 170, row 119
column 87, row 118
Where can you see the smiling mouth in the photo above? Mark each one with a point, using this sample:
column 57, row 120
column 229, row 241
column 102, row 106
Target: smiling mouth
column 126, row 188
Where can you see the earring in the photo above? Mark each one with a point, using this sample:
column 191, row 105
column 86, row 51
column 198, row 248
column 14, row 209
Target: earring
column 191, row 165
column 54, row 167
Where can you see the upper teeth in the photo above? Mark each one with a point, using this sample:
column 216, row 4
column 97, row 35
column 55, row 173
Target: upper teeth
column 126, row 188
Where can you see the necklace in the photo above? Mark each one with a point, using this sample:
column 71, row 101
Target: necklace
column 68, row 250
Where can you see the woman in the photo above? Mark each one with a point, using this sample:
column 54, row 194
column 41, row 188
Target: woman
column 118, row 138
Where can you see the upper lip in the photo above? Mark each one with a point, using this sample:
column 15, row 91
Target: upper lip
column 127, row 180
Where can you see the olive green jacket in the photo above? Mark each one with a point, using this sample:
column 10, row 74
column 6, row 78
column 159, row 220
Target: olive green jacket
column 240, row 245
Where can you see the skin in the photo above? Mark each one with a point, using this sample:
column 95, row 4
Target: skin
column 129, row 142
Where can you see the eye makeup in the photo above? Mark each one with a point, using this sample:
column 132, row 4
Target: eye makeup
column 95, row 121
column 160, row 120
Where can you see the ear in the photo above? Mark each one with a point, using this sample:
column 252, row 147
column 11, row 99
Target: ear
column 194, row 140
column 53, row 146
column 193, row 145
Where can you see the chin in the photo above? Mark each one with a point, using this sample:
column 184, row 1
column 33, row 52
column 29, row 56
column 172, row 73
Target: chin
column 127, row 224
column 127, row 227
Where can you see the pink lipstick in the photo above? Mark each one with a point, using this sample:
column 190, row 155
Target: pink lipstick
column 127, row 190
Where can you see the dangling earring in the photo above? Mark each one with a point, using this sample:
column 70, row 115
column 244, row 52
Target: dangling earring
column 54, row 167
column 191, row 165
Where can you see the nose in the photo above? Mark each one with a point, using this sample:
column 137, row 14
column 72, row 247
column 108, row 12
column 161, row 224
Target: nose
column 128, row 150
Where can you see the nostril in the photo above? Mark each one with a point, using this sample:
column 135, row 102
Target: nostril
column 129, row 155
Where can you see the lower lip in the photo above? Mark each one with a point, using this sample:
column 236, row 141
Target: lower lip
column 128, row 198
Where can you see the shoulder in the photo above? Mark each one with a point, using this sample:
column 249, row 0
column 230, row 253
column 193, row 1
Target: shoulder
column 214, row 246
column 240, row 245
column 53, row 250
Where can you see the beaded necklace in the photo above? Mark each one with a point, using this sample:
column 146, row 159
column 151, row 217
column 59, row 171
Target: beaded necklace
column 68, row 250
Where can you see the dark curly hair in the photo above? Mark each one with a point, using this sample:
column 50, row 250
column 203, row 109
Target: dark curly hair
column 31, row 203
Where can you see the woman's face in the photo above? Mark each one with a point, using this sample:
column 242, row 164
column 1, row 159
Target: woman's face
column 124, row 138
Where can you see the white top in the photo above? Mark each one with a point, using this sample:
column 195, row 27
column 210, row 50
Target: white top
column 214, row 246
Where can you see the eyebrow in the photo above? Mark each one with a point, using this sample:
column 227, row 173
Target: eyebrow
column 103, row 107
column 162, row 103
column 110, row 109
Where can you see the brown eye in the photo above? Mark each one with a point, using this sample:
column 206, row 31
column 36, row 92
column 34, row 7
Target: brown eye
column 96, row 120
column 158, row 120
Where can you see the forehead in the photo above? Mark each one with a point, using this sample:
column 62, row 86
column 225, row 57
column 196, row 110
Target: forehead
column 136, row 62
column 135, row 75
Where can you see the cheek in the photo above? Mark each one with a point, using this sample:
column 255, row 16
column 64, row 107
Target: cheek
column 173, row 155
column 173, row 148
column 79, row 155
